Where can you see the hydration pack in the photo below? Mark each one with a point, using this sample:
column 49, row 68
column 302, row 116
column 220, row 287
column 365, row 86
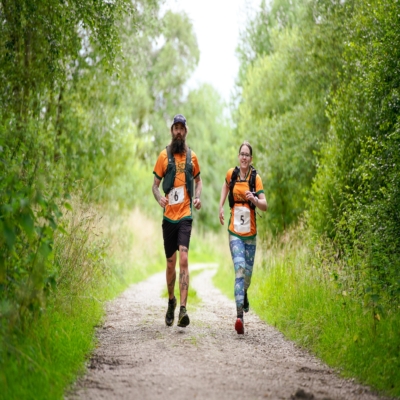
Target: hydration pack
column 169, row 178
column 252, row 186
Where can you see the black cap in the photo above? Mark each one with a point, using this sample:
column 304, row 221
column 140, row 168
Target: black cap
column 179, row 118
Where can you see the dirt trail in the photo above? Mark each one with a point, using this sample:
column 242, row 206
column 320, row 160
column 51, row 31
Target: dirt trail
column 138, row 357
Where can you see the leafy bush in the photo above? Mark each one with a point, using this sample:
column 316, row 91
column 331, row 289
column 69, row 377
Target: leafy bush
column 356, row 190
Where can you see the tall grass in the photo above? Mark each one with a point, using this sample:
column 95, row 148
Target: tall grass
column 296, row 288
column 205, row 246
column 98, row 254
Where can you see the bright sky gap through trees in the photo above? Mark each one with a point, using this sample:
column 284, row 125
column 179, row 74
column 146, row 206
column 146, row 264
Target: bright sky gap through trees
column 217, row 25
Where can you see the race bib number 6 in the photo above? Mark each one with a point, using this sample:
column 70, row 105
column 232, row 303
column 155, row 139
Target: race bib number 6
column 176, row 196
column 241, row 222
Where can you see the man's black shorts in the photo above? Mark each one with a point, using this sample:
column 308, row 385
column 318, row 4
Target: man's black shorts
column 176, row 235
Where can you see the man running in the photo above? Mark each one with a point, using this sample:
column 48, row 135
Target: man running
column 177, row 164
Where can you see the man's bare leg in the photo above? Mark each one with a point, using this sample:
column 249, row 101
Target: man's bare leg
column 171, row 275
column 171, row 278
column 183, row 274
column 183, row 319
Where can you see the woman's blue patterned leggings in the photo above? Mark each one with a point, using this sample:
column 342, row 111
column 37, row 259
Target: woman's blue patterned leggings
column 243, row 253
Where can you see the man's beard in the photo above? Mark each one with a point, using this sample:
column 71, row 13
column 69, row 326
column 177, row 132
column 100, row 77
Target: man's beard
column 178, row 146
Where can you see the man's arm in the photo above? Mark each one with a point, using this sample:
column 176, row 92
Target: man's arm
column 197, row 193
column 161, row 200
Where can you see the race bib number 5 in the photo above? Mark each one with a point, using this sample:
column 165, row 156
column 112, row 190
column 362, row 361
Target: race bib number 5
column 176, row 196
column 241, row 222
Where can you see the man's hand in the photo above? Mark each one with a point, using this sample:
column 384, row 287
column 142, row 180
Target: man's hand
column 197, row 193
column 163, row 201
column 197, row 203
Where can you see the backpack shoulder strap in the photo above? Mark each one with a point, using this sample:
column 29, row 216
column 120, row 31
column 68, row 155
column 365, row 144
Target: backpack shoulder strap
column 252, row 180
column 232, row 182
column 169, row 177
column 252, row 184
column 189, row 173
column 234, row 176
column 170, row 156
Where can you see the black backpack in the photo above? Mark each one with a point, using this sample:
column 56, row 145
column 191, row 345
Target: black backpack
column 252, row 186
column 169, row 178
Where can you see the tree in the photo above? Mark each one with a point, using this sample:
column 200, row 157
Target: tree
column 360, row 165
column 284, row 99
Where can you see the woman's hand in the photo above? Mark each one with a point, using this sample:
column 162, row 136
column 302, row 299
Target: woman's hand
column 221, row 215
column 250, row 197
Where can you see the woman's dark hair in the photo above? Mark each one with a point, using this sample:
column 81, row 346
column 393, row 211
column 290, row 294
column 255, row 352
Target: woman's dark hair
column 246, row 143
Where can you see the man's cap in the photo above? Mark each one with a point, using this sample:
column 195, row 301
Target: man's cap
column 179, row 118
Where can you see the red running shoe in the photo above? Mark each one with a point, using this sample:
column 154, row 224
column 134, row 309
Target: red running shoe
column 239, row 326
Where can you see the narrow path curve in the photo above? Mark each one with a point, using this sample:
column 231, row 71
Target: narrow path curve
column 138, row 357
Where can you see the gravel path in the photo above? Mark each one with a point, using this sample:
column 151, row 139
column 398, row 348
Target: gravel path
column 138, row 357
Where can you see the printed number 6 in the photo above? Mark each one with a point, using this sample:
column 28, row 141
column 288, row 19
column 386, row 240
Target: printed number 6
column 176, row 196
column 242, row 219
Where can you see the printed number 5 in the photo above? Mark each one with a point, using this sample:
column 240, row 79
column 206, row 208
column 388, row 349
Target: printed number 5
column 241, row 220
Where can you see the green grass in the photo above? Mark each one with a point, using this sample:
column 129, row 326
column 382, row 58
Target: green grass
column 41, row 359
column 308, row 306
column 337, row 328
column 40, row 364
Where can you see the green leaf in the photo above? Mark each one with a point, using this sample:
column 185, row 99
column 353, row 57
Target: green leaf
column 68, row 206
column 27, row 223
column 9, row 235
column 62, row 230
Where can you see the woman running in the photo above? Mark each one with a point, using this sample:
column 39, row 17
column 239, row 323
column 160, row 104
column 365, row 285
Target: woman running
column 246, row 194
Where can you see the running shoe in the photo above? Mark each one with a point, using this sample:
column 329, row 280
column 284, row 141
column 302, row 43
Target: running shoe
column 246, row 304
column 183, row 320
column 170, row 315
column 239, row 326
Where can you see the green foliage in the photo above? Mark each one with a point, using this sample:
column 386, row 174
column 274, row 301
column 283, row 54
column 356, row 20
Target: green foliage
column 171, row 65
column 284, row 99
column 39, row 54
column 78, row 115
column 320, row 102
column 210, row 137
column 256, row 40
column 356, row 190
